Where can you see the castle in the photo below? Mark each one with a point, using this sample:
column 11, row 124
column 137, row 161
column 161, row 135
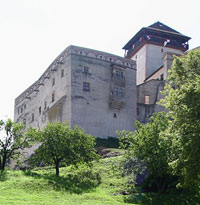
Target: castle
column 102, row 92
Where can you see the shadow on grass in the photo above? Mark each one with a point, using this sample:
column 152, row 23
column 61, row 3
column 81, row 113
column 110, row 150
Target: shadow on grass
column 77, row 182
column 174, row 197
column 3, row 175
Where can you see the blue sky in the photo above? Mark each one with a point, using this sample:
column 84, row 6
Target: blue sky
column 35, row 32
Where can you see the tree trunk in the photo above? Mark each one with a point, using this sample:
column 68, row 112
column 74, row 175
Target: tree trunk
column 4, row 161
column 57, row 168
column 0, row 162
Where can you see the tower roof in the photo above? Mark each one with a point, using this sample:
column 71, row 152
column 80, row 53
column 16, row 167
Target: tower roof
column 157, row 29
column 160, row 26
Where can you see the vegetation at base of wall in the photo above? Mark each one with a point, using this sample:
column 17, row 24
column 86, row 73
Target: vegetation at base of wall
column 110, row 142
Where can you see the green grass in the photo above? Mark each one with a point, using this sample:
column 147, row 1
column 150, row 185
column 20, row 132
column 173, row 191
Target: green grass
column 101, row 185
column 73, row 186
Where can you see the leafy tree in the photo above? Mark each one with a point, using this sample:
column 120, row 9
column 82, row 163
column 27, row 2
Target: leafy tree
column 12, row 141
column 149, row 146
column 183, row 102
column 59, row 144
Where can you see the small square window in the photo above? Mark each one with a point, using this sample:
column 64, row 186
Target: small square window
column 24, row 122
column 116, row 91
column 40, row 110
column 62, row 72
column 146, row 99
column 121, row 75
column 53, row 97
column 32, row 118
column 53, row 82
column 85, row 69
column 121, row 93
column 86, row 86
column 117, row 74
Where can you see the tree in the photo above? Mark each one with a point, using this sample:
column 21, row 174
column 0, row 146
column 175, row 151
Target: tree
column 12, row 141
column 183, row 102
column 59, row 144
column 149, row 146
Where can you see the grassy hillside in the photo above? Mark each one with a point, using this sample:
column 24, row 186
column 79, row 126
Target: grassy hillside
column 102, row 185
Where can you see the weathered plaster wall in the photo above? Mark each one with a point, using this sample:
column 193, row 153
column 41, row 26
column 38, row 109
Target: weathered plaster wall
column 90, row 109
column 140, row 58
column 152, row 89
column 149, row 58
column 39, row 103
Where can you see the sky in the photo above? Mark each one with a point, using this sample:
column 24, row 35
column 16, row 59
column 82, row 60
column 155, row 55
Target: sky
column 34, row 32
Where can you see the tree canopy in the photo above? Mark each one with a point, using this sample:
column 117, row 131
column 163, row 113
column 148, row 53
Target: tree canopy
column 59, row 144
column 149, row 146
column 182, row 99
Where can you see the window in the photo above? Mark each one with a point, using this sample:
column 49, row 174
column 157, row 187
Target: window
column 121, row 93
column 53, row 82
column 32, row 118
column 85, row 69
column 121, row 75
column 161, row 50
column 86, row 86
column 53, row 96
column 146, row 99
column 117, row 74
column 161, row 77
column 62, row 73
column 45, row 105
column 115, row 115
column 39, row 110
column 116, row 91
column 24, row 122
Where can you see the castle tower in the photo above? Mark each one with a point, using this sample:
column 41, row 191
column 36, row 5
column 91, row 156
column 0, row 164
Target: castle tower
column 148, row 47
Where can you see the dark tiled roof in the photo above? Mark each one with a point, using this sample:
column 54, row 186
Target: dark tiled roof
column 163, row 27
column 157, row 28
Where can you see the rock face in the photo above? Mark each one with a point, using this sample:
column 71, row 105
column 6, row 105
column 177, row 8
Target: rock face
column 85, row 87
column 136, row 168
